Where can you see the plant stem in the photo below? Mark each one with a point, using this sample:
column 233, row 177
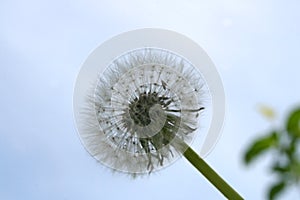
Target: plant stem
column 205, row 169
column 210, row 174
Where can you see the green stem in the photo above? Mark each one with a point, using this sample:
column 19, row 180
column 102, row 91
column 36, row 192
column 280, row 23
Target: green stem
column 210, row 174
column 205, row 169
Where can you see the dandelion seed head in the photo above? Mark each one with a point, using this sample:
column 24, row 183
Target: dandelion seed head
column 137, row 106
column 142, row 100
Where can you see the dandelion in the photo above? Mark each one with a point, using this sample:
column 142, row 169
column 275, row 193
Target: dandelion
column 142, row 110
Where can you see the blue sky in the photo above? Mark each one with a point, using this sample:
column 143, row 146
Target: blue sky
column 255, row 46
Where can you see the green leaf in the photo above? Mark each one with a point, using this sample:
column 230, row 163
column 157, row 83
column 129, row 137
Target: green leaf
column 259, row 146
column 293, row 123
column 281, row 169
column 276, row 189
column 295, row 171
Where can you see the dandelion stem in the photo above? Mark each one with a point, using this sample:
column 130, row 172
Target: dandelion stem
column 205, row 169
column 210, row 174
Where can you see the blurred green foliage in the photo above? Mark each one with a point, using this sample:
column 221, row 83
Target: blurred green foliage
column 284, row 144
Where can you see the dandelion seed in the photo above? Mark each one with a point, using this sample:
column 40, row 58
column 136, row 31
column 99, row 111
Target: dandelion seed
column 140, row 112
column 142, row 100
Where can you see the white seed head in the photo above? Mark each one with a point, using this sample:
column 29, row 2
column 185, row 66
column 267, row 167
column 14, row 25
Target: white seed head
column 141, row 95
column 142, row 100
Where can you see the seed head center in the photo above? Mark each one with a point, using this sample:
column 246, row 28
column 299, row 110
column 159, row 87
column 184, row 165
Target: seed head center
column 140, row 107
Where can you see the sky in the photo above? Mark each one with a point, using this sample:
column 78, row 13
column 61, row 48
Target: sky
column 254, row 44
